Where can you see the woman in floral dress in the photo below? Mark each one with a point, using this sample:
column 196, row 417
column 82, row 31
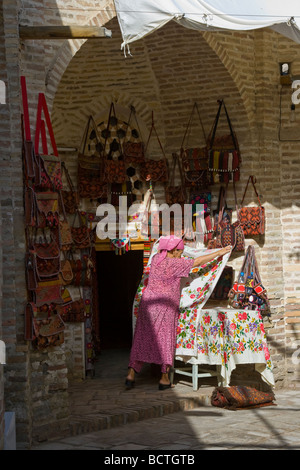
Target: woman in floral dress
column 155, row 333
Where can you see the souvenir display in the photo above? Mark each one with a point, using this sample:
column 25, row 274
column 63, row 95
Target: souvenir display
column 50, row 237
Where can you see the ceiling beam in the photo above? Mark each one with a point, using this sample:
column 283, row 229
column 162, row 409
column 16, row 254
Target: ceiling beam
column 63, row 32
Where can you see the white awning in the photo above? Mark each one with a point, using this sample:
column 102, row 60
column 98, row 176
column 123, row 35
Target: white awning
column 138, row 18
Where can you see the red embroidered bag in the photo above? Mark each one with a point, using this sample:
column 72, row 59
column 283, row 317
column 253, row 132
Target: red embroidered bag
column 252, row 219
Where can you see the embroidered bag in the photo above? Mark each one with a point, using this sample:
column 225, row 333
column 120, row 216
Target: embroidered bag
column 252, row 219
column 66, row 273
column 90, row 167
column 134, row 152
column 70, row 197
column 65, row 234
column 80, row 234
column 46, row 257
column 72, row 311
column 248, row 291
column 154, row 170
column 175, row 194
column 47, row 205
column 228, row 233
column 114, row 170
column 194, row 159
column 48, row 292
column 48, row 327
column 224, row 154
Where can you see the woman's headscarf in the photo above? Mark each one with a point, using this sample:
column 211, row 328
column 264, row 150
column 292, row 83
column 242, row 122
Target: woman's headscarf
column 167, row 244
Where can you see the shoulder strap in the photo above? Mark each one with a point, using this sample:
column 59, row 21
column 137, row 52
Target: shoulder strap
column 25, row 109
column 153, row 128
column 86, row 133
column 253, row 181
column 215, row 125
column 42, row 106
column 133, row 112
column 189, row 125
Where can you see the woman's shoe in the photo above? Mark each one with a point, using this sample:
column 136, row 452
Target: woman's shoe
column 129, row 384
column 164, row 386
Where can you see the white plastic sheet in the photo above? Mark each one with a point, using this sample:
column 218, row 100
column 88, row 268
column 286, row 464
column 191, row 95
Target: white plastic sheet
column 138, row 18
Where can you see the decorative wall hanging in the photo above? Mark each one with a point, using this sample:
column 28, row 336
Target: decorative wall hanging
column 194, row 159
column 224, row 154
column 252, row 219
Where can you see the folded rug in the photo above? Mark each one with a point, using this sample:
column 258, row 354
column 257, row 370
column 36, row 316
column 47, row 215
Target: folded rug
column 241, row 397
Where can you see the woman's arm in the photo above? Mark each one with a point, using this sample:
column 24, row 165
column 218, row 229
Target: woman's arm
column 206, row 258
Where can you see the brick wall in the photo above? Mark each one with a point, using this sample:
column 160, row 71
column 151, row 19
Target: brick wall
column 165, row 75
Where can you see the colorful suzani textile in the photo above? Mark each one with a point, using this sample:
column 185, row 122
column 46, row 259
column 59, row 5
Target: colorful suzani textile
column 195, row 290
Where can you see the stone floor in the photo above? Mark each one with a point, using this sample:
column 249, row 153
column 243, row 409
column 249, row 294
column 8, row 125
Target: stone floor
column 106, row 417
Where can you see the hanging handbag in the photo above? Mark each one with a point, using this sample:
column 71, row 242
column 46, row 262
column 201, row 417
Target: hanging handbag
column 72, row 311
column 66, row 272
column 114, row 169
column 228, row 233
column 47, row 205
column 46, row 258
column 154, row 170
column 81, row 234
column 194, row 159
column 175, row 194
column 252, row 219
column 48, row 292
column 70, row 197
column 65, row 234
column 133, row 150
column 224, row 154
column 50, row 166
column 121, row 189
column 248, row 292
column 82, row 270
column 91, row 183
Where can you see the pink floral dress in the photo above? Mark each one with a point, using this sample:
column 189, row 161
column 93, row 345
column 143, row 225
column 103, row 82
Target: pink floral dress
column 154, row 338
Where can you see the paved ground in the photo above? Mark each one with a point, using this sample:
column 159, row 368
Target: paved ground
column 108, row 418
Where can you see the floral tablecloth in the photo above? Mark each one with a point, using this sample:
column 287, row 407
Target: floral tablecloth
column 224, row 337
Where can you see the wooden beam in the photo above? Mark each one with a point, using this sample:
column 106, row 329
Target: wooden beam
column 63, row 32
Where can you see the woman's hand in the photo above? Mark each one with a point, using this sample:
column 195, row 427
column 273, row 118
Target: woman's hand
column 207, row 258
column 224, row 250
